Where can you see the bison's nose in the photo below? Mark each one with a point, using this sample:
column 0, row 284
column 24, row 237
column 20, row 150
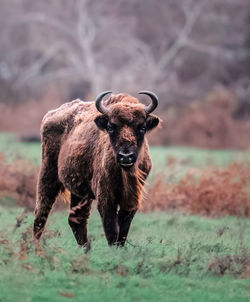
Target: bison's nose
column 126, row 159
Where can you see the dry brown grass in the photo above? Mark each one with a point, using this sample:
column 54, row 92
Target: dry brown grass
column 216, row 192
column 18, row 180
column 237, row 265
column 209, row 123
column 26, row 117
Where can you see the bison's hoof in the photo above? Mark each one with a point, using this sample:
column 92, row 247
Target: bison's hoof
column 86, row 246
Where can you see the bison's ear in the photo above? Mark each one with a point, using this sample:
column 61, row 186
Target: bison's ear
column 152, row 121
column 101, row 122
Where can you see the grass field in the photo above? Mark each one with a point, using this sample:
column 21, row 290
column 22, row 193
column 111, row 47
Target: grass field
column 168, row 257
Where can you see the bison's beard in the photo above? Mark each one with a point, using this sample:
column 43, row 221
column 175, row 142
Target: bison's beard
column 133, row 180
column 127, row 166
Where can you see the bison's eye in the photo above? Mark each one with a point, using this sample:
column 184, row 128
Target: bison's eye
column 110, row 129
column 142, row 129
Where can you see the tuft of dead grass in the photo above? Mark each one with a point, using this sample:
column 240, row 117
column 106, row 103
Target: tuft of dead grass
column 18, row 180
column 237, row 265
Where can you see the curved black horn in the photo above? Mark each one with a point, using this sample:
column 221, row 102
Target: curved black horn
column 151, row 107
column 98, row 102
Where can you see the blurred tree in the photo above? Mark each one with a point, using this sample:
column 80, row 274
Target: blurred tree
column 180, row 49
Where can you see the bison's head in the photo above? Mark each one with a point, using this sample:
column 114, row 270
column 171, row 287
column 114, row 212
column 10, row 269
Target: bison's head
column 126, row 121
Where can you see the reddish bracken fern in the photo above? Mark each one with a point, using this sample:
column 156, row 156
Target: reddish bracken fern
column 217, row 192
column 18, row 180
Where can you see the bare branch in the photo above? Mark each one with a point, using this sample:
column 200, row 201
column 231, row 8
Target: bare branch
column 36, row 67
column 191, row 18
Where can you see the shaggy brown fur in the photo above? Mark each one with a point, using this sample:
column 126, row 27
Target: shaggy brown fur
column 77, row 156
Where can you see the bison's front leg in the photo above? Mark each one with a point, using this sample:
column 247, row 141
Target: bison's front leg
column 78, row 218
column 124, row 220
column 110, row 222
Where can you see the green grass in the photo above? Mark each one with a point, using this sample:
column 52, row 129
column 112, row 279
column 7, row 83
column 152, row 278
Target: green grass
column 167, row 257
column 197, row 157
column 12, row 149
column 147, row 269
column 189, row 158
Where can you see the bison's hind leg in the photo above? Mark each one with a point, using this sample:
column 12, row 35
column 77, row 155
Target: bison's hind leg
column 78, row 217
column 47, row 191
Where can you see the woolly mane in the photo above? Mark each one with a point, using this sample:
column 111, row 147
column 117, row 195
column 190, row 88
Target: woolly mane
column 133, row 188
column 121, row 98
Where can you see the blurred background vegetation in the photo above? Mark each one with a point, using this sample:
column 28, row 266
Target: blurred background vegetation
column 195, row 54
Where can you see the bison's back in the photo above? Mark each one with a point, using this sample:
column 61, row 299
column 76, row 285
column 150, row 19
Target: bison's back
column 62, row 119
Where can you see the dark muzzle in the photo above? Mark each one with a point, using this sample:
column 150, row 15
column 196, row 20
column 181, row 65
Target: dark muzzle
column 126, row 159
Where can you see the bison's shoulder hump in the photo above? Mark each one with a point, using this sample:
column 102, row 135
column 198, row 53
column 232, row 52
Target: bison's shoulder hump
column 62, row 118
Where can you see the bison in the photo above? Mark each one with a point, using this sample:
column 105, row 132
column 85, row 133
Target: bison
column 96, row 150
